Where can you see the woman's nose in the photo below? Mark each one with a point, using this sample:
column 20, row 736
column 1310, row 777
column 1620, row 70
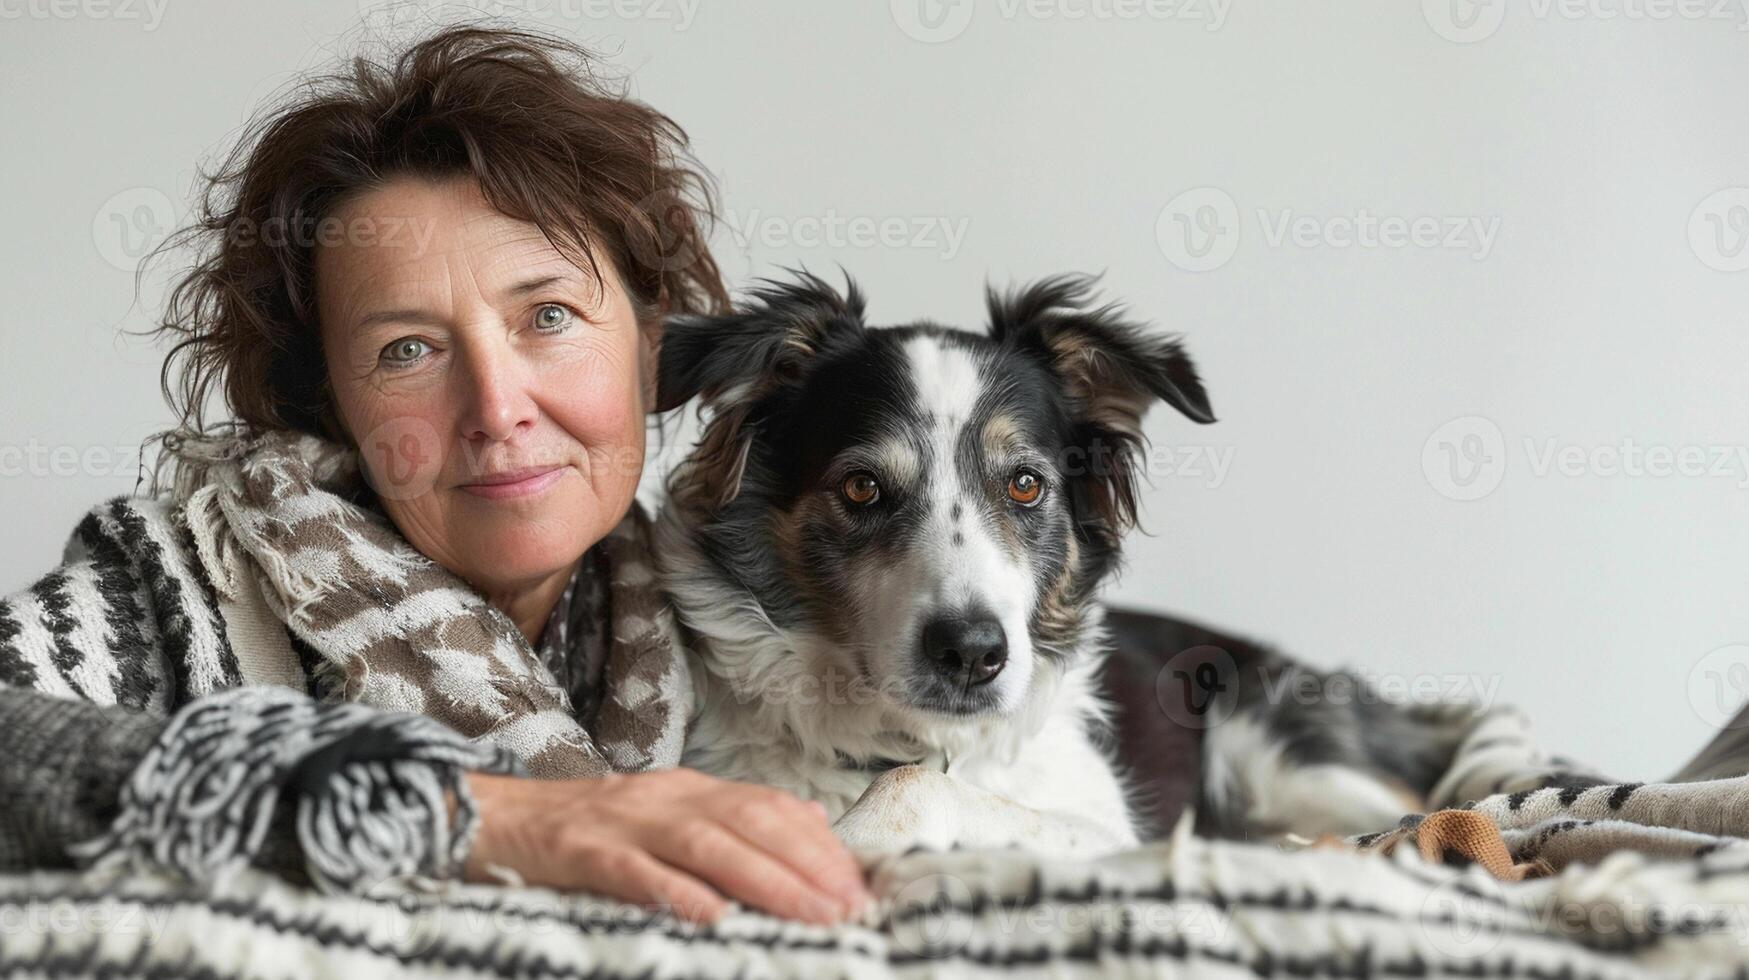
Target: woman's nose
column 497, row 401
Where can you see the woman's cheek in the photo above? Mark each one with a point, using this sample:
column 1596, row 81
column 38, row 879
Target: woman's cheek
column 400, row 445
column 596, row 397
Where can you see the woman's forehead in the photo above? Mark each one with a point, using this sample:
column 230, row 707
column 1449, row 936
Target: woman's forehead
column 417, row 241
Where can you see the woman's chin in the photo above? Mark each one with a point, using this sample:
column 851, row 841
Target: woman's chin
column 523, row 538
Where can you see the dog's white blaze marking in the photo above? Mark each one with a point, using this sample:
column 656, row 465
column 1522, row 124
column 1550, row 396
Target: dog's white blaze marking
column 975, row 571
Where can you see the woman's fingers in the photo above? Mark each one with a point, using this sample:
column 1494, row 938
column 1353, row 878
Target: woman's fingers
column 634, row 876
column 675, row 837
column 797, row 834
column 746, row 873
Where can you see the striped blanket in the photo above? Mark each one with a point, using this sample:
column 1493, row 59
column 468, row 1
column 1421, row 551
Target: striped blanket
column 1634, row 881
column 1188, row 906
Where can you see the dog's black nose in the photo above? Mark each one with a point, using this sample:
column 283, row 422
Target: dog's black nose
column 967, row 649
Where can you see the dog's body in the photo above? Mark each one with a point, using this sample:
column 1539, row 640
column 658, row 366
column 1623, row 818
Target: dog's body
column 887, row 548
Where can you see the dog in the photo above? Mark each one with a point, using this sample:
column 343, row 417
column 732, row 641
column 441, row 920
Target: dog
column 887, row 547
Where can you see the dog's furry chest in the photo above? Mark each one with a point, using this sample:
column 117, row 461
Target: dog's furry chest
column 831, row 757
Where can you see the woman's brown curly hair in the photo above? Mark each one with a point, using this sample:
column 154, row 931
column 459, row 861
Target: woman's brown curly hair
column 519, row 112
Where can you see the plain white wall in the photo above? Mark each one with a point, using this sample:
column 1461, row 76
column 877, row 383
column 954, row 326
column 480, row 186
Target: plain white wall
column 1586, row 299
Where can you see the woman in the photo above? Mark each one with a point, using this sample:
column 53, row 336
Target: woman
column 410, row 572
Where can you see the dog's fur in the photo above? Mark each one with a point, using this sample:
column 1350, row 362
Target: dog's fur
column 808, row 609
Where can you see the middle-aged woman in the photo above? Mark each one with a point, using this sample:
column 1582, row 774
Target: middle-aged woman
column 409, row 573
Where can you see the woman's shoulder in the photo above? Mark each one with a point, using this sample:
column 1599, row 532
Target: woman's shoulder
column 127, row 528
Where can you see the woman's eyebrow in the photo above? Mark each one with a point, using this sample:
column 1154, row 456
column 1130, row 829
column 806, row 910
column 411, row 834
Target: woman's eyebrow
column 535, row 285
column 430, row 319
column 423, row 317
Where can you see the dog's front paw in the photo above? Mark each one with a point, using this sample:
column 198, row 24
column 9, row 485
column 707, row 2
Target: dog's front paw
column 903, row 808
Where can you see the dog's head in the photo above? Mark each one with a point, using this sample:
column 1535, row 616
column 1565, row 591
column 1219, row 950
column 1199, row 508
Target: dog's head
column 935, row 506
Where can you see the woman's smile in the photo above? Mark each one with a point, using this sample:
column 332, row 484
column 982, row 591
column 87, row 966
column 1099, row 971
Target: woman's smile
column 509, row 484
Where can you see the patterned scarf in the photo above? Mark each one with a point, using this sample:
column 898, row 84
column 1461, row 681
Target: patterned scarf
column 284, row 525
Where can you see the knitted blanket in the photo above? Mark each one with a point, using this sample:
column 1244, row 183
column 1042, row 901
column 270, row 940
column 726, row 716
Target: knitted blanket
column 1187, row 907
column 1633, row 881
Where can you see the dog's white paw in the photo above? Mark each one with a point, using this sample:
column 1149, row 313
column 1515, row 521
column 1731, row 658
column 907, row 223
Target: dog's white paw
column 903, row 808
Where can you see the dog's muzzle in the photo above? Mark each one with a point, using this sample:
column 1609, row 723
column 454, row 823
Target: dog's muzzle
column 965, row 651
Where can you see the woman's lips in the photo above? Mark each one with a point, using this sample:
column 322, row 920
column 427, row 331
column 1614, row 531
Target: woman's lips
column 515, row 483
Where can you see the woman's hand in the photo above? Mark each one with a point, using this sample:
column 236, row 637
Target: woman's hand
column 676, row 838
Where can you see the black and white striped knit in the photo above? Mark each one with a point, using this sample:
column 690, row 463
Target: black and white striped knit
column 100, row 768
column 257, row 668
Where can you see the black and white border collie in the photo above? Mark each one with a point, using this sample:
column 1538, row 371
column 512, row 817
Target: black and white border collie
column 886, row 547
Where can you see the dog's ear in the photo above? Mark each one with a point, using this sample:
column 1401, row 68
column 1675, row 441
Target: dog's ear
column 1113, row 370
column 731, row 362
column 741, row 356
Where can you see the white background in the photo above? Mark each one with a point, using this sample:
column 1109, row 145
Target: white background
column 1054, row 135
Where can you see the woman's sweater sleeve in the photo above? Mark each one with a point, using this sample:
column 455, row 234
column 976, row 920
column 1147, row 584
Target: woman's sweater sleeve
column 62, row 772
column 112, row 757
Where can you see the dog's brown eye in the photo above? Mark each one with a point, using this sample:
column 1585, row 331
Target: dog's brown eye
column 1024, row 488
column 860, row 489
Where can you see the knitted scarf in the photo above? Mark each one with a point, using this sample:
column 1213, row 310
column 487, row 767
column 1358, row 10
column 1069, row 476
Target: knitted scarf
column 283, row 525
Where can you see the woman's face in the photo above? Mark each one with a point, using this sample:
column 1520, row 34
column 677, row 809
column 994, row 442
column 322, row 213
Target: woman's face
column 495, row 390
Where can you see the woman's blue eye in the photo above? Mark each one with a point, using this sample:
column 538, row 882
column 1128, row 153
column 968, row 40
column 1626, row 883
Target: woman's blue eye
column 405, row 351
column 552, row 318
